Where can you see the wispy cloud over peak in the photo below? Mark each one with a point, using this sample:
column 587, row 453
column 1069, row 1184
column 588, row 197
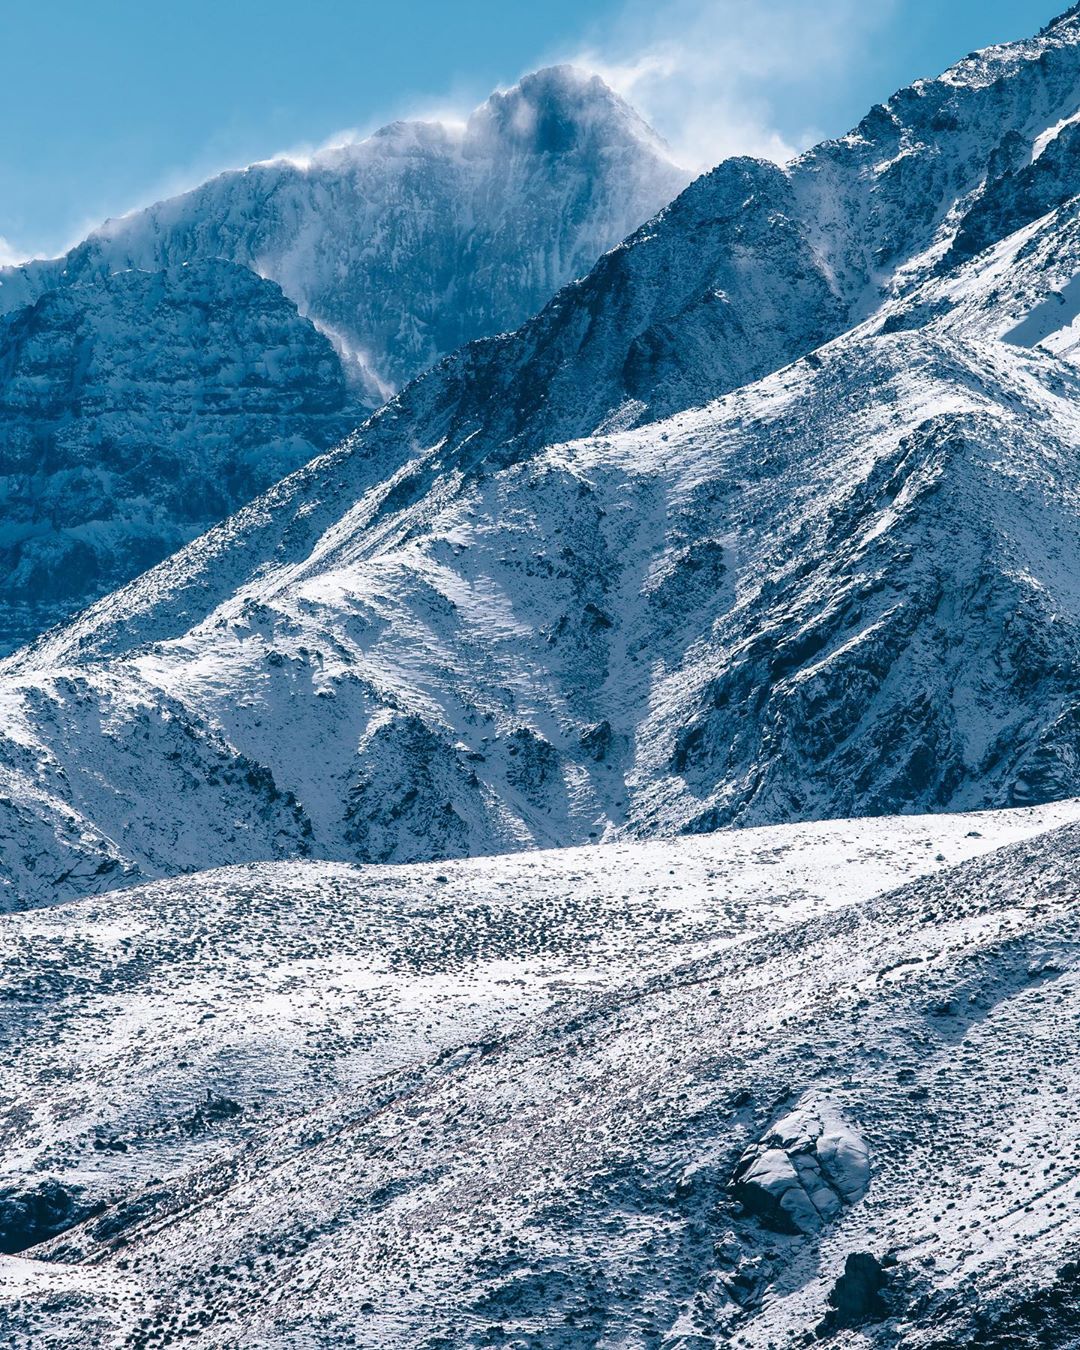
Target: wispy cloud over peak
column 9, row 254
column 710, row 74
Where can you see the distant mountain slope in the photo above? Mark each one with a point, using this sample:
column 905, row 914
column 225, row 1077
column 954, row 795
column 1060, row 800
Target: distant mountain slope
column 679, row 1095
column 182, row 359
column 848, row 587
column 422, row 237
column 137, row 410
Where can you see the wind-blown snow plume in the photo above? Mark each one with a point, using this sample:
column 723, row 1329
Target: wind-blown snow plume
column 9, row 254
column 707, row 73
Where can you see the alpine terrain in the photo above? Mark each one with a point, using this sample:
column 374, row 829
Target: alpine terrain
column 383, row 966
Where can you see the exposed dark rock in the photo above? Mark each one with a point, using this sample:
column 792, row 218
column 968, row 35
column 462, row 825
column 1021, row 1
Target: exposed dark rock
column 35, row 1215
column 857, row 1296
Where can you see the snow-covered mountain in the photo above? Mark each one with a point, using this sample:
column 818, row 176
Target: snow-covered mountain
column 185, row 357
column 666, row 1094
column 420, row 238
column 774, row 516
column 849, row 586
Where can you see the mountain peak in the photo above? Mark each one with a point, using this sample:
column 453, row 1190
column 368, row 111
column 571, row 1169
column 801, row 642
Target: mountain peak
column 1072, row 12
column 377, row 258
column 559, row 109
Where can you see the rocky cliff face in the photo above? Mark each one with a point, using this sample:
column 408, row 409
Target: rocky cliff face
column 136, row 410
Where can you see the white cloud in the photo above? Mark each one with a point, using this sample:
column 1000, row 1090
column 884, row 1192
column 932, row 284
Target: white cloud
column 10, row 254
column 711, row 75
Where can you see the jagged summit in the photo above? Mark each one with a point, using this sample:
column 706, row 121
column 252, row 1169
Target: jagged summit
column 558, row 110
column 405, row 246
column 561, row 109
column 1073, row 12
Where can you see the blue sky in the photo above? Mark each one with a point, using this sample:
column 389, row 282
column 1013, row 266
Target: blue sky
column 106, row 106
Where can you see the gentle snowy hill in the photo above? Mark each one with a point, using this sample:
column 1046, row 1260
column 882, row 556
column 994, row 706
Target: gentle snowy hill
column 184, row 358
column 632, row 1095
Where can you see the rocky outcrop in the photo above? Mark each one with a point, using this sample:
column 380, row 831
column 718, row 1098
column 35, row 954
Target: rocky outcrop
column 28, row 1217
column 1020, row 194
column 804, row 1169
column 414, row 789
column 857, row 1297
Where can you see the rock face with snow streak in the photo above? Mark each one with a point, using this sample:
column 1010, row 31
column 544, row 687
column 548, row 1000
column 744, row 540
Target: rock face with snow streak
column 138, row 409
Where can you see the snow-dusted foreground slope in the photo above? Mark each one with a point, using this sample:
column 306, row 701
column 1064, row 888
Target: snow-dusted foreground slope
column 520, row 1101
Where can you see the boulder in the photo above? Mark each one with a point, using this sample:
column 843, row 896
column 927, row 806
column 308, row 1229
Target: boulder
column 805, row 1168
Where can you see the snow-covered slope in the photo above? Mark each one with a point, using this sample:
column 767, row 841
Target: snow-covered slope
column 400, row 962
column 184, row 358
column 849, row 588
column 641, row 1095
